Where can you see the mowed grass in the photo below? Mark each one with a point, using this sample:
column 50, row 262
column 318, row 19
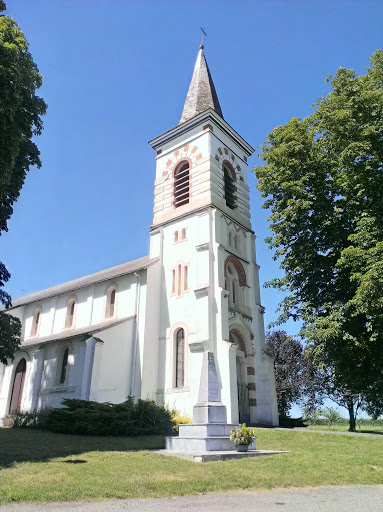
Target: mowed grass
column 365, row 429
column 53, row 467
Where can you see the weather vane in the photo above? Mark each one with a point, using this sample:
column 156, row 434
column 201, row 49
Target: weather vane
column 203, row 35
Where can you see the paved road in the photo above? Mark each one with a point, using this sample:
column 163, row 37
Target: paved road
column 324, row 499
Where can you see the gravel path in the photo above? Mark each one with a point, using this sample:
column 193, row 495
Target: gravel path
column 324, row 499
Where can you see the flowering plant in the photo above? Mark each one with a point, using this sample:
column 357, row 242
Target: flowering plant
column 241, row 435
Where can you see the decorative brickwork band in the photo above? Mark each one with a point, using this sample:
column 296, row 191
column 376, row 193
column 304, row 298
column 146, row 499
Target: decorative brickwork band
column 238, row 267
column 251, row 386
column 253, row 402
column 250, row 370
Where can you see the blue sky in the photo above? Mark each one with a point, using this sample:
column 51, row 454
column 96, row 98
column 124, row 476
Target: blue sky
column 116, row 75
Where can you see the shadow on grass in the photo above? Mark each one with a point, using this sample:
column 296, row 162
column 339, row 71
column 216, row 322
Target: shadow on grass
column 378, row 432
column 23, row 445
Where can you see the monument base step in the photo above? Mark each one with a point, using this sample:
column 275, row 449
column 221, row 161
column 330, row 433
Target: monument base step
column 203, row 444
column 200, row 456
column 205, row 430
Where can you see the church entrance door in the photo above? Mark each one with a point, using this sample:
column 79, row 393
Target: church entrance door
column 18, row 385
column 243, row 396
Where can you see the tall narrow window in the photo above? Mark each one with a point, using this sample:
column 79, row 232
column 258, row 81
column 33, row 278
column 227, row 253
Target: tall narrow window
column 180, row 359
column 229, row 186
column 183, row 234
column 185, row 287
column 174, row 280
column 181, row 184
column 69, row 319
column 231, row 280
column 176, row 237
column 64, row 365
column 179, row 277
column 35, row 322
column 110, row 310
column 234, row 295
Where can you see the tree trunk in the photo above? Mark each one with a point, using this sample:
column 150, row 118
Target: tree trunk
column 351, row 412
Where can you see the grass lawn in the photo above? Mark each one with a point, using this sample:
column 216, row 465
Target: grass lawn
column 42, row 466
column 344, row 428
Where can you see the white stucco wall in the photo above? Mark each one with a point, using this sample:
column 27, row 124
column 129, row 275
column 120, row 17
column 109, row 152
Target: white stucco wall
column 114, row 355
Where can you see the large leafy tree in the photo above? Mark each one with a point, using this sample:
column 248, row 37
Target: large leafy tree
column 20, row 120
column 323, row 182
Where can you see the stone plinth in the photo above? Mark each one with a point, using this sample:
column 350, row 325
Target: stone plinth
column 209, row 430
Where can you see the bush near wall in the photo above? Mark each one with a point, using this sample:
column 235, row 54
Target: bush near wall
column 129, row 418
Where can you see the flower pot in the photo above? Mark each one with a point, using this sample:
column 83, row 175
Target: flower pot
column 242, row 447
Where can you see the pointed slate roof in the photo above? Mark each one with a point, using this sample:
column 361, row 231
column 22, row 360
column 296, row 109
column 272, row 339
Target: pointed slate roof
column 201, row 94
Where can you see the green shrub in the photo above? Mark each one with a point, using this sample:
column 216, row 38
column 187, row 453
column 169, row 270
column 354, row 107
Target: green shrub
column 286, row 421
column 33, row 419
column 129, row 418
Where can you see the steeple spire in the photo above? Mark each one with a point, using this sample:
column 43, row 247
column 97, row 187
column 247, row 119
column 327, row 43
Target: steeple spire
column 201, row 94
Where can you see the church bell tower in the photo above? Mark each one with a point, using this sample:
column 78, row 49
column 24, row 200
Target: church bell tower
column 203, row 289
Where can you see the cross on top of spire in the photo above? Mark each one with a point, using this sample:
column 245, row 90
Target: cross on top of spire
column 201, row 94
column 203, row 34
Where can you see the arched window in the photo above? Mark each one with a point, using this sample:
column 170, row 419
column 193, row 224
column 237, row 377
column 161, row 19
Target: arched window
column 235, row 282
column 110, row 309
column 35, row 322
column 70, row 309
column 232, row 284
column 180, row 359
column 229, row 185
column 64, row 366
column 181, row 184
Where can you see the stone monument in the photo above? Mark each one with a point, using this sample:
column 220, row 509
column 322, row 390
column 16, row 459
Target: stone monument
column 209, row 430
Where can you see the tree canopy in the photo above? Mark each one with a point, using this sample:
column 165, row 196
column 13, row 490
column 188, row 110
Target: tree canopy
column 323, row 182
column 20, row 120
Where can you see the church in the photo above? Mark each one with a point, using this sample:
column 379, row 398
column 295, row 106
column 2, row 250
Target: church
column 141, row 328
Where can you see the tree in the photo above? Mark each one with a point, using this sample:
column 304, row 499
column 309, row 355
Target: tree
column 323, row 182
column 288, row 368
column 20, row 111
column 321, row 382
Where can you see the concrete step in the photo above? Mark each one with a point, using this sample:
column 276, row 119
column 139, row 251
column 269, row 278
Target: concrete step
column 205, row 430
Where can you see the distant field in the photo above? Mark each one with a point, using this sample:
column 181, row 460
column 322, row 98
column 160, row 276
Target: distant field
column 344, row 428
column 42, row 466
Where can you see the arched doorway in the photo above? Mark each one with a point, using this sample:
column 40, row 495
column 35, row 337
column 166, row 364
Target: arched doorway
column 18, row 385
column 242, row 389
